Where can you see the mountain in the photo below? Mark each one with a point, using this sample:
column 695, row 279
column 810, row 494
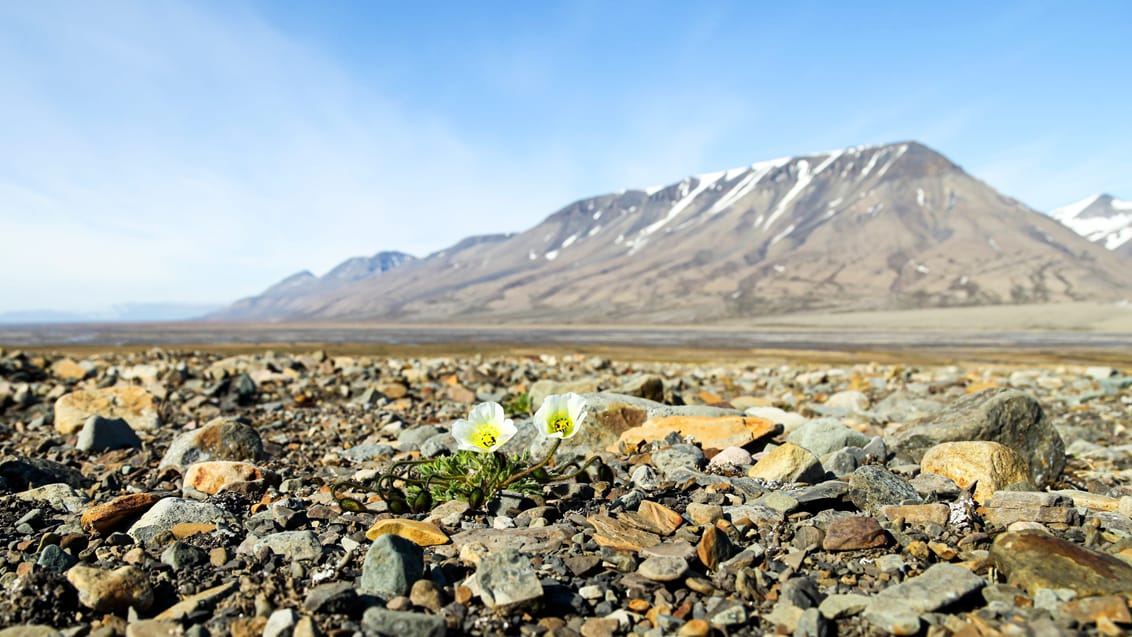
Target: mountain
column 1101, row 219
column 290, row 296
column 879, row 227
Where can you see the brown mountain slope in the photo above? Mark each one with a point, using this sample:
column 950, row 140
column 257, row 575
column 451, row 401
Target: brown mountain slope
column 884, row 227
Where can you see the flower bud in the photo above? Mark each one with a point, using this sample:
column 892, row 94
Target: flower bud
column 476, row 498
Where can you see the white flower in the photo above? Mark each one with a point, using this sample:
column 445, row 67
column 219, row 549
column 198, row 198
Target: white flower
column 561, row 415
column 485, row 430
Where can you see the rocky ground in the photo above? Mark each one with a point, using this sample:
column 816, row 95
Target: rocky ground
column 188, row 493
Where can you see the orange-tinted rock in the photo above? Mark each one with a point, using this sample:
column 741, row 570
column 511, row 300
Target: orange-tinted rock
column 213, row 476
column 419, row 533
column 712, row 432
column 189, row 529
column 655, row 518
column 132, row 404
column 68, row 369
column 106, row 517
column 714, row 547
column 619, row 535
column 992, row 465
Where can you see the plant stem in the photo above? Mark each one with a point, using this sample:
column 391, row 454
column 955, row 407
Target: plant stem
column 522, row 474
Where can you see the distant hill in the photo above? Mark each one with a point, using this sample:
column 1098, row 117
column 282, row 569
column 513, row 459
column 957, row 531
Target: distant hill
column 292, row 294
column 1102, row 219
column 867, row 228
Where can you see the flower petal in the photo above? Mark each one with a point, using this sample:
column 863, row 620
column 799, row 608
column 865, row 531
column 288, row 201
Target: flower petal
column 463, row 431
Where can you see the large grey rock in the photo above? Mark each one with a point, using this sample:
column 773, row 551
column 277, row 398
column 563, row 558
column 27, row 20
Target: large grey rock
column 871, row 487
column 826, row 435
column 104, row 434
column 293, row 545
column 220, row 439
column 59, row 496
column 163, row 516
column 506, row 581
column 897, row 609
column 1001, row 415
column 391, row 566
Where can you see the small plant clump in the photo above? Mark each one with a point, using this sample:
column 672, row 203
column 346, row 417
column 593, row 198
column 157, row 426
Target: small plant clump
column 478, row 470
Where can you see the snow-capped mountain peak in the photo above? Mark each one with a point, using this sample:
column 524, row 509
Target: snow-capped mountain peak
column 1101, row 219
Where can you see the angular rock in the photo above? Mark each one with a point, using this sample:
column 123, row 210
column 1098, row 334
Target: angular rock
column 871, row 488
column 131, row 404
column 220, row 439
column 852, row 533
column 58, row 495
column 1033, row 561
column 826, row 435
column 1007, row 507
column 788, row 463
column 104, row 434
column 897, row 609
column 1006, row 416
column 292, row 545
column 654, row 518
column 168, row 513
column 992, row 465
column 918, row 514
column 111, row 591
column 714, row 548
column 506, row 581
column 619, row 535
column 391, row 565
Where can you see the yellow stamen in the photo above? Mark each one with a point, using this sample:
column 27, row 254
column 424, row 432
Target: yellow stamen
column 486, row 437
column 560, row 424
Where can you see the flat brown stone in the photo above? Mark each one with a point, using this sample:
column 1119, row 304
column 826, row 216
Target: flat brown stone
column 712, row 432
column 655, row 518
column 918, row 514
column 1032, row 561
column 619, row 535
column 106, row 517
column 853, row 533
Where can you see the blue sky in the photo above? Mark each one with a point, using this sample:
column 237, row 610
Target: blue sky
column 200, row 151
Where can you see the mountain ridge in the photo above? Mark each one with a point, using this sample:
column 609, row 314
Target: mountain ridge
column 1102, row 219
column 869, row 227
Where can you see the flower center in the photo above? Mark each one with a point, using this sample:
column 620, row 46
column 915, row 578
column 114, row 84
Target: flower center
column 560, row 424
column 486, row 437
